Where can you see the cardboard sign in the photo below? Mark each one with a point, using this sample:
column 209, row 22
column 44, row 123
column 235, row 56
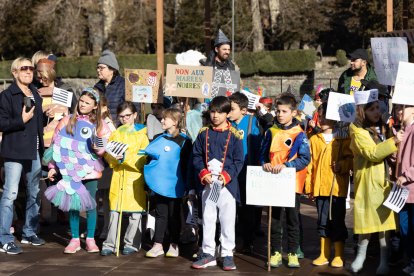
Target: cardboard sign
column 188, row 81
column 268, row 189
column 387, row 52
column 306, row 105
column 225, row 82
column 404, row 85
column 341, row 107
column 135, row 78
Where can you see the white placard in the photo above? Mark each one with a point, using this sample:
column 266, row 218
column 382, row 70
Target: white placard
column 387, row 52
column 341, row 107
column 397, row 198
column 253, row 99
column 99, row 142
column 307, row 105
column 63, row 97
column 404, row 85
column 142, row 94
column 365, row 96
column 116, row 148
column 268, row 189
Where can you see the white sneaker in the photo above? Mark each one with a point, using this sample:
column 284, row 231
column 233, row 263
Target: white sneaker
column 172, row 251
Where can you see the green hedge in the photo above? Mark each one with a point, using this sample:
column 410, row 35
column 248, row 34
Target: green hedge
column 276, row 62
column 341, row 58
column 263, row 63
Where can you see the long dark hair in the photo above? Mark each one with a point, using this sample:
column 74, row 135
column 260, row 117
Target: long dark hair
column 362, row 122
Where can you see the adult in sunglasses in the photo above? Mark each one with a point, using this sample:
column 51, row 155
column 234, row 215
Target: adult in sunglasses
column 21, row 121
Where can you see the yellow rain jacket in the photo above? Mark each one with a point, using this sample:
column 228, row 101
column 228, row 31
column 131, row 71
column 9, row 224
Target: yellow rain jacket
column 320, row 177
column 371, row 187
column 128, row 173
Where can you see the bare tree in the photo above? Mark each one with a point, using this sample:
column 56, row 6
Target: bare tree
column 258, row 40
column 274, row 9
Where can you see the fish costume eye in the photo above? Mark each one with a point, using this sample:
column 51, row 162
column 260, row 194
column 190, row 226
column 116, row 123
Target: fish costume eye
column 85, row 132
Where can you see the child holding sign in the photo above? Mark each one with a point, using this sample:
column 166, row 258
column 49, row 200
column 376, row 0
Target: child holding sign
column 77, row 160
column 405, row 177
column 285, row 146
column 371, row 143
column 327, row 181
column 126, row 192
column 218, row 159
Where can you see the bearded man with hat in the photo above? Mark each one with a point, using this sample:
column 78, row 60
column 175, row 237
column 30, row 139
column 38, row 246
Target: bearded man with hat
column 360, row 69
column 219, row 58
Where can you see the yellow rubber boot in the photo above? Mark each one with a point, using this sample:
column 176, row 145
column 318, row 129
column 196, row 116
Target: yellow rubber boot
column 323, row 259
column 338, row 261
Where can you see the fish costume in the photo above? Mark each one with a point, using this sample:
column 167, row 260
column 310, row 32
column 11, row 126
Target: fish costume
column 76, row 160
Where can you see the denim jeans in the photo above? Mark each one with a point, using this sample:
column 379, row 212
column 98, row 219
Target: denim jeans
column 13, row 169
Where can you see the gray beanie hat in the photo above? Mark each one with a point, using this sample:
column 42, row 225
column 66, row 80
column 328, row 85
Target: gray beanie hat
column 108, row 58
column 221, row 39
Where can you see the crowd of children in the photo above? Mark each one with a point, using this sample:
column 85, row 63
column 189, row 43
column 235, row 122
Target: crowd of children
column 162, row 163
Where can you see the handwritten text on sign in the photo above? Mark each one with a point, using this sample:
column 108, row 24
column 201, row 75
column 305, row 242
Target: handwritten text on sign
column 268, row 189
column 188, row 81
column 387, row 52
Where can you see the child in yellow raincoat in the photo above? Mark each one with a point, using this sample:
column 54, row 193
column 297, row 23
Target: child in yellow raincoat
column 327, row 181
column 371, row 144
column 127, row 193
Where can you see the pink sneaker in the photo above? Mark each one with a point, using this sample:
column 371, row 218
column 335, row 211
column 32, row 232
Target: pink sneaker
column 73, row 246
column 91, row 246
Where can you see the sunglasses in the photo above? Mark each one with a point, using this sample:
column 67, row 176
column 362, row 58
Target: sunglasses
column 126, row 116
column 25, row 68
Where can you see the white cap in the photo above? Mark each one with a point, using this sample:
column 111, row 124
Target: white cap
column 365, row 96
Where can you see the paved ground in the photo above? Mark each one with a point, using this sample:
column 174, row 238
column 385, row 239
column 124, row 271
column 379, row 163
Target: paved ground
column 49, row 259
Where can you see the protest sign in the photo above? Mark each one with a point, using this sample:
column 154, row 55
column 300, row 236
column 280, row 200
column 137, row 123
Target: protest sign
column 387, row 52
column 404, row 85
column 137, row 84
column 253, row 99
column 341, row 107
column 188, row 81
column 264, row 188
column 225, row 82
column 397, row 198
column 62, row 97
column 306, row 105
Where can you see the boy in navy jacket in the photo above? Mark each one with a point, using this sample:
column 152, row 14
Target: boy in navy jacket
column 218, row 159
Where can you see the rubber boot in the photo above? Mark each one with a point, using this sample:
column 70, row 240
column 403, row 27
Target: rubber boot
column 323, row 259
column 339, row 254
column 358, row 263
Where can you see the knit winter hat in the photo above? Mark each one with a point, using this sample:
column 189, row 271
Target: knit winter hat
column 108, row 58
column 221, row 39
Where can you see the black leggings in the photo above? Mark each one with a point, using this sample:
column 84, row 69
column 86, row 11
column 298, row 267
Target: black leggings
column 167, row 214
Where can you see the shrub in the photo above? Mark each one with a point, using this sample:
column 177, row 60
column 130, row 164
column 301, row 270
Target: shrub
column 341, row 58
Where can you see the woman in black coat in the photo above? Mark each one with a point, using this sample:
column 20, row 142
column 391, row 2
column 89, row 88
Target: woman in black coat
column 21, row 121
